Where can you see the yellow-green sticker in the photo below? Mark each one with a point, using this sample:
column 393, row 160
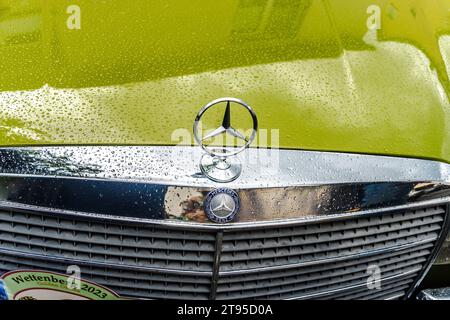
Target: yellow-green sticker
column 43, row 285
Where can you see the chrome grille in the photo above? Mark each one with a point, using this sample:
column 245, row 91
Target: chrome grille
column 309, row 259
column 108, row 243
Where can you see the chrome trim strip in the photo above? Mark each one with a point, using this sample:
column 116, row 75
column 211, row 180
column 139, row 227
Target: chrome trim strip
column 163, row 183
column 343, row 289
column 6, row 205
column 395, row 297
column 330, row 260
column 178, row 166
column 103, row 264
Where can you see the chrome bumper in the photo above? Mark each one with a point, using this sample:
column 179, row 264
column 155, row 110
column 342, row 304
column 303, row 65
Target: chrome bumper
column 434, row 294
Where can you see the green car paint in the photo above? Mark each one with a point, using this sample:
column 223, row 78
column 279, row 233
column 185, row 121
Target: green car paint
column 137, row 72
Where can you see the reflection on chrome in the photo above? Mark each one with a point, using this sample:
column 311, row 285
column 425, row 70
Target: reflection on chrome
column 144, row 183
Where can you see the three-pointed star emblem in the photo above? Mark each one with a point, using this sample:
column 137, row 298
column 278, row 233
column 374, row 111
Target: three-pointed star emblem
column 220, row 164
column 223, row 206
column 226, row 127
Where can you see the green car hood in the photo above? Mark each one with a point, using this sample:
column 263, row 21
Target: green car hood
column 315, row 73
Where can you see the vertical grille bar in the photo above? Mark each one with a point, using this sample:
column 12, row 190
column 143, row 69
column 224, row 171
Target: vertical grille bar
column 216, row 265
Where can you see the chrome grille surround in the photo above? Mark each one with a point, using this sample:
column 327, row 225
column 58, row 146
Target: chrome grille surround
column 312, row 238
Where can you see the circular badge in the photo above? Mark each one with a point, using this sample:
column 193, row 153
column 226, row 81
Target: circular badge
column 44, row 285
column 222, row 205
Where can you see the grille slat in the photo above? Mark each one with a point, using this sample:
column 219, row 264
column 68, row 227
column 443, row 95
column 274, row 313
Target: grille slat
column 198, row 286
column 170, row 248
column 244, row 266
column 418, row 251
column 315, row 259
column 333, row 275
column 337, row 293
column 45, row 220
column 331, row 226
column 311, row 288
column 87, row 238
column 105, row 272
column 326, row 237
column 66, row 247
column 398, row 288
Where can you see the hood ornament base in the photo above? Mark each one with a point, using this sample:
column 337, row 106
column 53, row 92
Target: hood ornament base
column 220, row 169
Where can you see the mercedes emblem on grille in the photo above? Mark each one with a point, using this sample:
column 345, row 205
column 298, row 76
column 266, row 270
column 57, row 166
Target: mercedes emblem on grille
column 222, row 205
column 220, row 164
